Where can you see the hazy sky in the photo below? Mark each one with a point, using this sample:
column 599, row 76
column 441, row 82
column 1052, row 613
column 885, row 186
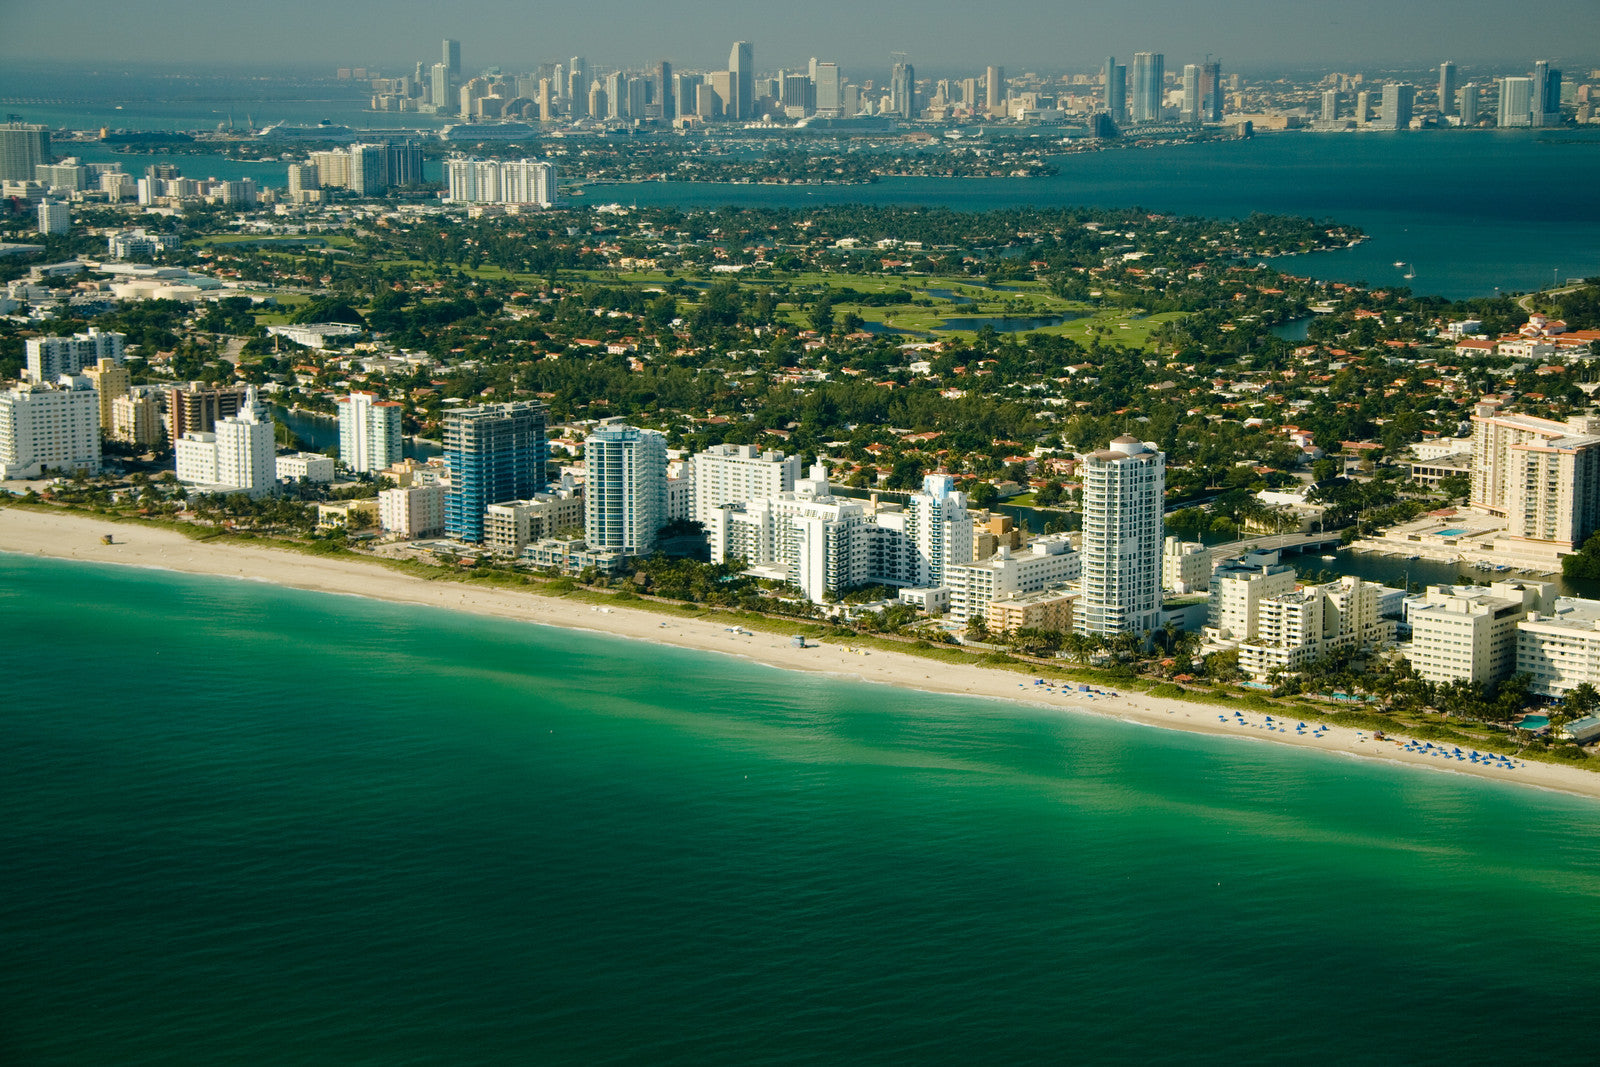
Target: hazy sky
column 938, row 34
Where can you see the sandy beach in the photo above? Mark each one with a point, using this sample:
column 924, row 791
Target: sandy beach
column 77, row 537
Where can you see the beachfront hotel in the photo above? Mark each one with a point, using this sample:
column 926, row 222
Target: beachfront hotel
column 1468, row 633
column 733, row 474
column 1123, row 487
column 238, row 456
column 1541, row 476
column 49, row 428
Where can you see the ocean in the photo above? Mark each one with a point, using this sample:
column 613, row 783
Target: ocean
column 242, row 823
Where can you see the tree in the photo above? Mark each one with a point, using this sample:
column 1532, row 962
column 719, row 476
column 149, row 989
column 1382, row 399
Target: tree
column 978, row 628
column 1581, row 700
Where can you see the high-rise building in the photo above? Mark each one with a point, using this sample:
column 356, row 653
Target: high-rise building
column 1467, row 104
column 490, row 181
column 195, row 408
column 495, row 452
column 736, row 474
column 685, row 87
column 1330, row 106
column 441, row 91
column 1363, row 107
column 939, row 528
column 665, row 93
column 368, row 169
column 1469, row 633
column 547, row 111
column 625, row 488
column 403, row 164
column 1123, row 487
column 1545, row 109
column 237, row 455
column 577, row 80
column 369, row 432
column 903, row 90
column 1211, row 91
column 23, row 147
column 1149, row 75
column 1190, row 109
column 1543, row 476
column 1395, row 112
column 136, row 420
column 1115, row 100
column 51, row 357
column 49, row 427
column 1448, row 105
column 1516, row 102
column 55, row 217
column 994, row 90
column 828, row 88
column 742, row 72
column 450, row 56
column 111, row 380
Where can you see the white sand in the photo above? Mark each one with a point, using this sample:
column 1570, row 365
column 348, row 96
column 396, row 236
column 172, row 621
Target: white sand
column 67, row 535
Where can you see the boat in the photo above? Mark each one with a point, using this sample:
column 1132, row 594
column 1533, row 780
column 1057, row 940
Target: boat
column 1399, row 262
column 1411, row 271
column 1328, row 557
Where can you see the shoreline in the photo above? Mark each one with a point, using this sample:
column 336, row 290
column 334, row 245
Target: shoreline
column 76, row 537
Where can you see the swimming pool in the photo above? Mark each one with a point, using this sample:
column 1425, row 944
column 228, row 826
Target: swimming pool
column 1451, row 533
column 1533, row 722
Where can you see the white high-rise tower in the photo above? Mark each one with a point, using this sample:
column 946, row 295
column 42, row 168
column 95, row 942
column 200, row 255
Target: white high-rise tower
column 1123, row 487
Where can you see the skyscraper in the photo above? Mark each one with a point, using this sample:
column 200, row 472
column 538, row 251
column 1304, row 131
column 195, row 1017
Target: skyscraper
column 625, row 488
column 994, row 84
column 1123, row 486
column 1516, row 102
column 1447, row 89
column 1330, row 106
column 828, row 86
column 903, row 90
column 577, row 82
column 23, row 146
column 1115, row 96
column 662, row 87
column 495, row 452
column 450, row 56
column 369, row 432
column 1395, row 111
column 1190, row 110
column 1149, row 73
column 1467, row 104
column 1545, row 109
column 1211, row 91
column 440, row 90
column 742, row 74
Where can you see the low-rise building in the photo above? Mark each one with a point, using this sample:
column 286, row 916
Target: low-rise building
column 1048, row 562
column 413, row 511
column 1295, row 628
column 509, row 526
column 305, row 466
column 1050, row 610
column 1559, row 649
column 1468, row 633
column 349, row 515
column 572, row 555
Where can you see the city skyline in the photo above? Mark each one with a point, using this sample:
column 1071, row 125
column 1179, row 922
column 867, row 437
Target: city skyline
column 934, row 33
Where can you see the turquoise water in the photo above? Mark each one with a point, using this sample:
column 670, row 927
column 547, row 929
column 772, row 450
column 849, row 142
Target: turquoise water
column 244, row 824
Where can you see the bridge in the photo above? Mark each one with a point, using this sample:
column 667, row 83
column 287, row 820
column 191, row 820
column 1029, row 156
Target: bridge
column 1274, row 542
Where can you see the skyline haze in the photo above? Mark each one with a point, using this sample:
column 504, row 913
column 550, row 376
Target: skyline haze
column 936, row 33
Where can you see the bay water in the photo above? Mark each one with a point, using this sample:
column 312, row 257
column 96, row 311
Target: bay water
column 240, row 823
